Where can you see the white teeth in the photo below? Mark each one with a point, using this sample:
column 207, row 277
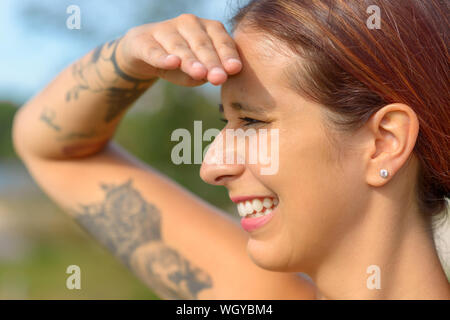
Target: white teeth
column 267, row 202
column 241, row 209
column 257, row 205
column 248, row 207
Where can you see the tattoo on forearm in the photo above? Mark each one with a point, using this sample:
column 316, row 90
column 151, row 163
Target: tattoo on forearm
column 125, row 221
column 88, row 76
column 47, row 116
column 77, row 135
column 120, row 98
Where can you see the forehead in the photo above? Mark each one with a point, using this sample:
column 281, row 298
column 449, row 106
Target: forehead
column 262, row 73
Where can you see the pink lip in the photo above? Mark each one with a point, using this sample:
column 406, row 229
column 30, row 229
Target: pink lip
column 250, row 224
column 245, row 198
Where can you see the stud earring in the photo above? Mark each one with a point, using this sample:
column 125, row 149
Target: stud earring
column 384, row 173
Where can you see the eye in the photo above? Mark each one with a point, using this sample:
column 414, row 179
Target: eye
column 224, row 120
column 250, row 121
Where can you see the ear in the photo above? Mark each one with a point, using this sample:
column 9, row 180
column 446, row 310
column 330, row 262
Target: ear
column 393, row 133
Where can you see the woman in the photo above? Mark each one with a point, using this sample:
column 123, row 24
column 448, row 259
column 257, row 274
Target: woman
column 362, row 119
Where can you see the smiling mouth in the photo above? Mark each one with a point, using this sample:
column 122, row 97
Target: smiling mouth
column 257, row 207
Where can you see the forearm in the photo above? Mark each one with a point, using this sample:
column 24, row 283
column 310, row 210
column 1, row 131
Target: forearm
column 78, row 112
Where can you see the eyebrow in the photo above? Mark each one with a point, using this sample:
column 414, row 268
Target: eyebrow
column 241, row 106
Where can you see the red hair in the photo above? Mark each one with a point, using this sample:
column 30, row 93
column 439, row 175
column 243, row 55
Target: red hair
column 354, row 71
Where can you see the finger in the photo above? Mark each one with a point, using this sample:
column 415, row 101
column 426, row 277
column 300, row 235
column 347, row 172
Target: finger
column 180, row 78
column 175, row 44
column 155, row 55
column 202, row 46
column 225, row 46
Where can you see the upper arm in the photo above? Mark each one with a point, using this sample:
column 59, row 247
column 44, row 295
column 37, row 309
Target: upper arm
column 176, row 243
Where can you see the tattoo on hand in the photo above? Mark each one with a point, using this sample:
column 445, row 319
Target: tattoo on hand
column 125, row 221
column 89, row 77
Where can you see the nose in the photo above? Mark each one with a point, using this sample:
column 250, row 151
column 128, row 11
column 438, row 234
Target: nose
column 217, row 169
column 220, row 174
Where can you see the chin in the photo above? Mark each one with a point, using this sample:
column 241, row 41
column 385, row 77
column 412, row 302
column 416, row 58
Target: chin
column 269, row 256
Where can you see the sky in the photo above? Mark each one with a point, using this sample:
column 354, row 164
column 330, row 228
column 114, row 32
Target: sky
column 36, row 44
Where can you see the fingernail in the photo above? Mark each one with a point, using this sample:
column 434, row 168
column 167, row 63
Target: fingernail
column 197, row 64
column 217, row 70
column 233, row 60
column 169, row 56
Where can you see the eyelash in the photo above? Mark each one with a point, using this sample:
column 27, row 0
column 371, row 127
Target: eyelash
column 249, row 121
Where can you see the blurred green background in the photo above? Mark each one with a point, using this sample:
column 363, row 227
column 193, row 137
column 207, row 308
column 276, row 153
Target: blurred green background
column 38, row 241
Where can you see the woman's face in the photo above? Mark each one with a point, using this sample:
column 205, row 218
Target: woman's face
column 319, row 190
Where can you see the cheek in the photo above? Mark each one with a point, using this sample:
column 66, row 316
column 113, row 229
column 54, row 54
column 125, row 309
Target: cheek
column 308, row 166
column 314, row 190
column 312, row 178
column 322, row 191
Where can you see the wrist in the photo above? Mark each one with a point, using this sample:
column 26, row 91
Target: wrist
column 128, row 69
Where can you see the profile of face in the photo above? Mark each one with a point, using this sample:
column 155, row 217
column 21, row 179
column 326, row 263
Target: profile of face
column 320, row 189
